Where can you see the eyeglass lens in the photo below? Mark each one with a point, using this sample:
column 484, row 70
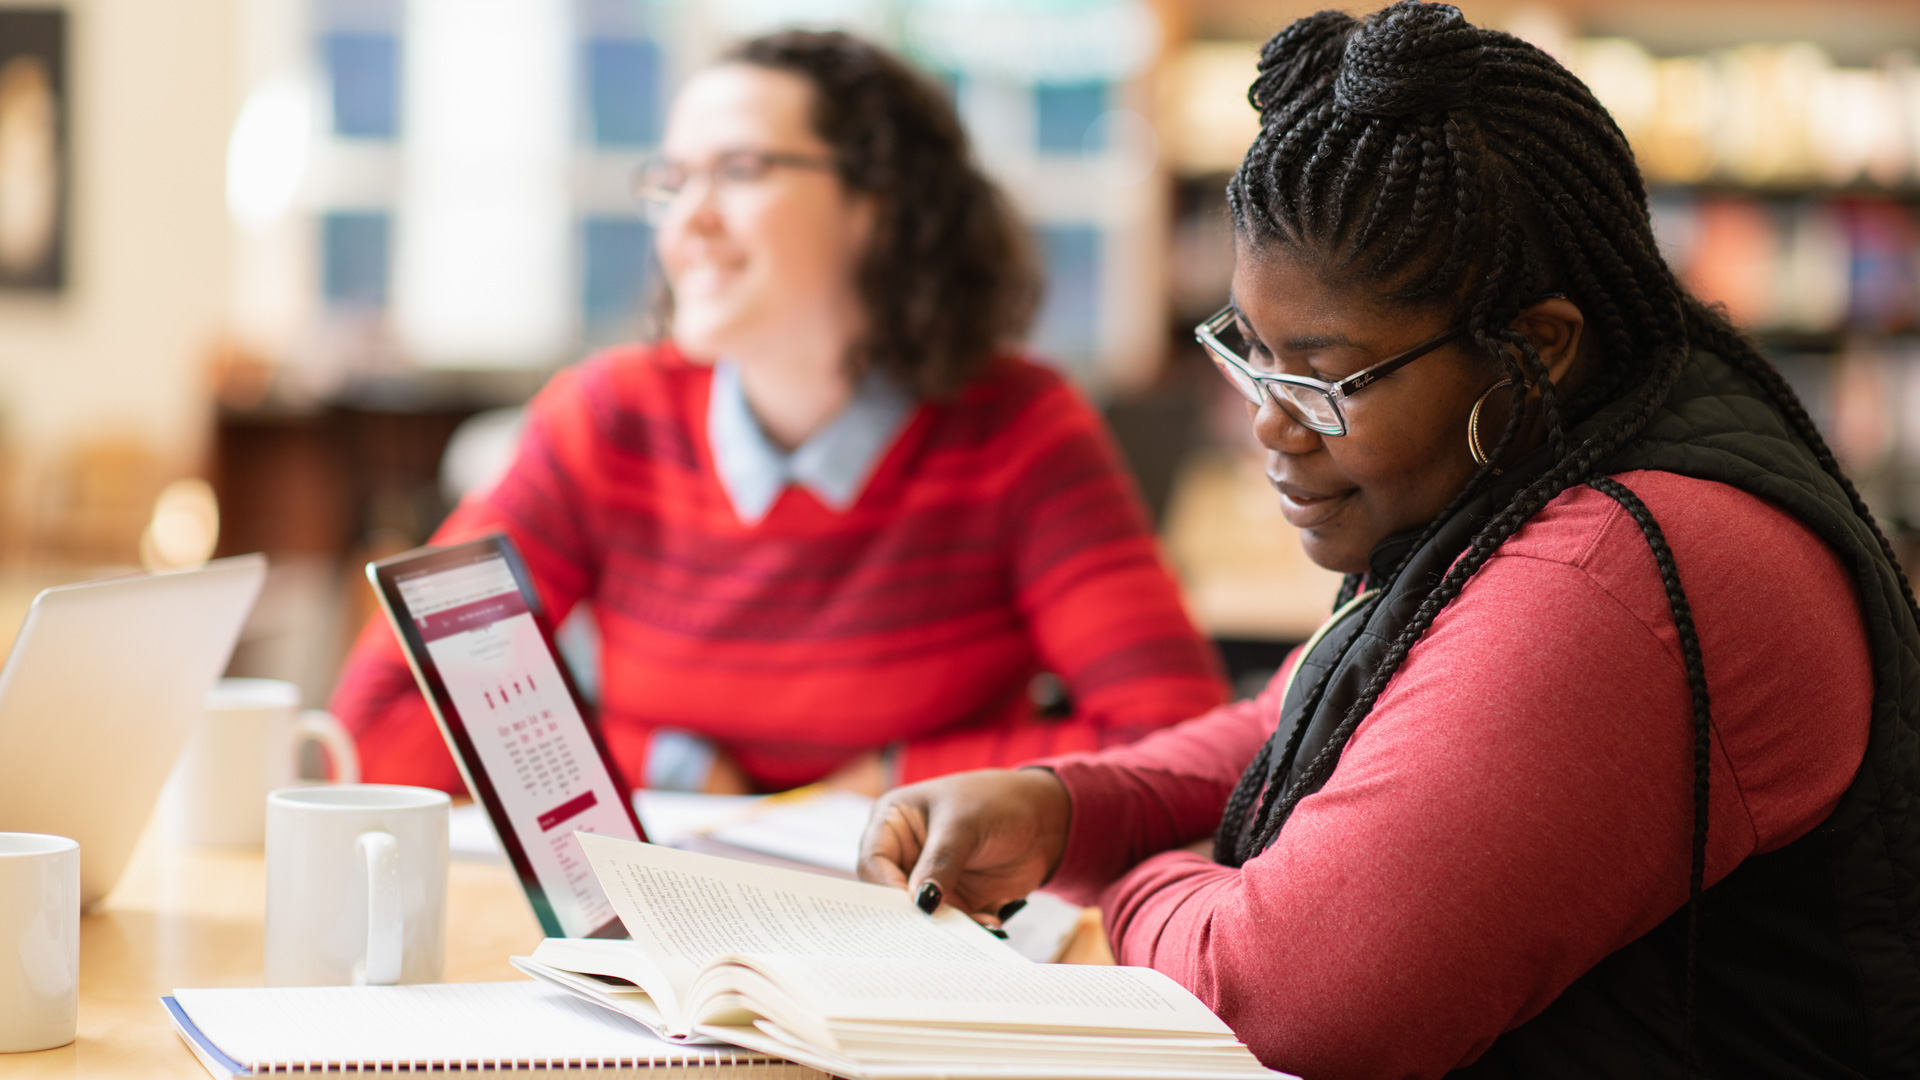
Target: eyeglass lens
column 669, row 178
column 1308, row 405
column 1229, row 338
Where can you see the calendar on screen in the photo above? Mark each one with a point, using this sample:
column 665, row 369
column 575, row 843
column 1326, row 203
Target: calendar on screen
column 472, row 631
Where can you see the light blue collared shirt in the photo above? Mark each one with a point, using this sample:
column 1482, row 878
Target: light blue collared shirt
column 834, row 464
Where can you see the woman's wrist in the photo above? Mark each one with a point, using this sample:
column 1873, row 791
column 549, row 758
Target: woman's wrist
column 1054, row 816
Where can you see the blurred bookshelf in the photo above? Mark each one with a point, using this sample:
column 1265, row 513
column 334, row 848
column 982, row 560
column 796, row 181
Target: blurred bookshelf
column 1785, row 185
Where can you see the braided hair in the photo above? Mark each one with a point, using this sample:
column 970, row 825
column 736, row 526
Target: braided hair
column 1441, row 164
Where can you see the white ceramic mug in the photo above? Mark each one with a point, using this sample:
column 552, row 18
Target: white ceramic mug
column 245, row 745
column 39, row 941
column 356, row 885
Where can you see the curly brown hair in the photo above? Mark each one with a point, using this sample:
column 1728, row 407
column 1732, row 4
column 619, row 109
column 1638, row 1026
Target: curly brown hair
column 949, row 276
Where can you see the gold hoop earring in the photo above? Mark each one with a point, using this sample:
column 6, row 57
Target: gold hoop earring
column 1473, row 425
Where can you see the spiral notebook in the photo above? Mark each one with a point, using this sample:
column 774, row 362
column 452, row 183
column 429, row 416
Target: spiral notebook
column 473, row 1027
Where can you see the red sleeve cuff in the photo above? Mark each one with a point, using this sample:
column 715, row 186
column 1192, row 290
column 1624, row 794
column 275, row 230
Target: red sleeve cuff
column 1092, row 860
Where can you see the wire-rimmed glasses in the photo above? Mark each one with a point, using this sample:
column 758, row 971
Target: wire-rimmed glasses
column 1317, row 404
column 661, row 180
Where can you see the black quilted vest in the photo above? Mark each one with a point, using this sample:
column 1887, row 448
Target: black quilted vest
column 1809, row 962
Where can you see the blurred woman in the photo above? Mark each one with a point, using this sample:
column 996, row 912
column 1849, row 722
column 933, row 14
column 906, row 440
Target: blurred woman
column 1608, row 765
column 834, row 528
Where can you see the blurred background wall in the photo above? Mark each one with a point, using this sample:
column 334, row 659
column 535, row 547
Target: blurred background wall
column 102, row 389
column 261, row 260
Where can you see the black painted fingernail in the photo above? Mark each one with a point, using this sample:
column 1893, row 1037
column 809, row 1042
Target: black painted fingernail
column 997, row 932
column 1012, row 908
column 928, row 898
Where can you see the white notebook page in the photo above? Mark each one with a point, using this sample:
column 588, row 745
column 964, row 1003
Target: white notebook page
column 447, row 1022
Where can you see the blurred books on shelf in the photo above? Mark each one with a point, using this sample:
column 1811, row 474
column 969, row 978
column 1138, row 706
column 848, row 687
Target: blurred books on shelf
column 1817, row 264
column 1760, row 115
column 1865, row 397
column 1828, row 282
column 1771, row 115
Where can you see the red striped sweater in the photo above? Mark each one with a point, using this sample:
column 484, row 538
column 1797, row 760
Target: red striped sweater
column 996, row 538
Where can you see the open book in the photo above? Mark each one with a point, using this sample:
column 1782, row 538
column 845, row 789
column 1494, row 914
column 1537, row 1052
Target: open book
column 852, row 979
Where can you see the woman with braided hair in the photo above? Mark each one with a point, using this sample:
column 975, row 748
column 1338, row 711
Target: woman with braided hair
column 1608, row 762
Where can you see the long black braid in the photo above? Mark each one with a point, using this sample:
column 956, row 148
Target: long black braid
column 1437, row 163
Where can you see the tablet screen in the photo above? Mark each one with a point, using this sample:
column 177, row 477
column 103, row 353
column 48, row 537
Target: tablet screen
column 512, row 719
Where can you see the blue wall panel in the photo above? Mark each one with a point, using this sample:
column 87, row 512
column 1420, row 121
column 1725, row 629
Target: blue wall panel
column 623, row 91
column 1063, row 113
column 1070, row 320
column 353, row 252
column 364, row 69
column 617, row 253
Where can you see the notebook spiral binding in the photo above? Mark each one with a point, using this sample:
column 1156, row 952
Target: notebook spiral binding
column 734, row 1066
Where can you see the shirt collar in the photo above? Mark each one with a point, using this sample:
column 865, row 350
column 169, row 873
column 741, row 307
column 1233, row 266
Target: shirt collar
column 834, row 464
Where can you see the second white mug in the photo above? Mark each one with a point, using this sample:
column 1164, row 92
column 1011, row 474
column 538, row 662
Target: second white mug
column 243, row 747
column 356, row 885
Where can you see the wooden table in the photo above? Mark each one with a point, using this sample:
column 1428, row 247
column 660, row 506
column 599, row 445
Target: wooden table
column 191, row 918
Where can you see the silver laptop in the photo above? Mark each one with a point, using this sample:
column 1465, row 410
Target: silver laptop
column 104, row 682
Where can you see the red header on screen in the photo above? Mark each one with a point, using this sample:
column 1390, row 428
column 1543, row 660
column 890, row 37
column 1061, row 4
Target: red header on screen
column 471, row 616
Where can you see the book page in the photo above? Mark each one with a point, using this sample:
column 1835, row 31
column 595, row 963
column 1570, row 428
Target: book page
column 686, row 910
column 819, row 827
column 609, row 956
column 769, row 1038
column 1029, row 997
column 619, row 996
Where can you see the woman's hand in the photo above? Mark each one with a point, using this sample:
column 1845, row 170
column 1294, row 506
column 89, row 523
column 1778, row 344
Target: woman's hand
column 977, row 840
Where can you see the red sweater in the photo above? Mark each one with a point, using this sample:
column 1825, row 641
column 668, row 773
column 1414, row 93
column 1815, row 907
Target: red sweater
column 1519, row 803
column 997, row 537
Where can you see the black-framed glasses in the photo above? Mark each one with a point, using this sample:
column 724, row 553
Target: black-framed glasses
column 661, row 180
column 1317, row 404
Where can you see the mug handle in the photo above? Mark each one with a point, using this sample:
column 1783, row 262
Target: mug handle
column 320, row 726
column 381, row 965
